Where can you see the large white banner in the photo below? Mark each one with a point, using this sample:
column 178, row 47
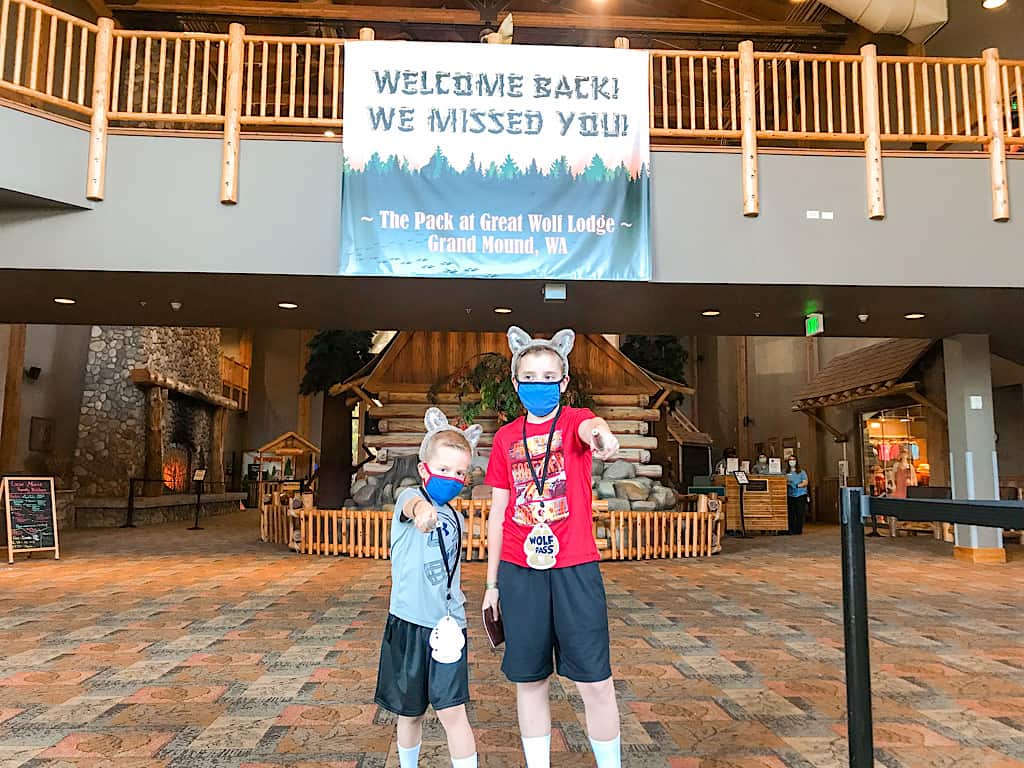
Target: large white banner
column 495, row 161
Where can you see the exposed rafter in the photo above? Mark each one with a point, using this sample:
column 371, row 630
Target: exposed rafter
column 625, row 25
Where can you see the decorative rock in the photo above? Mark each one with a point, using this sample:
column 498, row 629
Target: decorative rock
column 481, row 492
column 631, row 489
column 597, row 468
column 408, row 482
column 618, row 505
column 620, row 470
column 665, row 498
column 606, row 490
column 364, row 495
column 358, row 484
column 644, row 506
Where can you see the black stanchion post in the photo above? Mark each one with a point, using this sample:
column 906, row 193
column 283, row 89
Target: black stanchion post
column 199, row 498
column 855, row 631
column 130, row 518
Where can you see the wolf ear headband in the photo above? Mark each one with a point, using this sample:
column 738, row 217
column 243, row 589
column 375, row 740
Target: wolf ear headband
column 520, row 343
column 436, row 422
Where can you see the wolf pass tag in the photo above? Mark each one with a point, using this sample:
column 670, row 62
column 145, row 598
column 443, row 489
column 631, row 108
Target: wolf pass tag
column 541, row 547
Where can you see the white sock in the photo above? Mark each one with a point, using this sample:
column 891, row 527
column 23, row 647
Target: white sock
column 464, row 762
column 538, row 751
column 608, row 753
column 409, row 757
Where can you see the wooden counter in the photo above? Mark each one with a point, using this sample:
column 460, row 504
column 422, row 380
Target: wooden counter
column 764, row 503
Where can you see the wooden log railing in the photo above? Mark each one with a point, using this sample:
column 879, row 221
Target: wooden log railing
column 692, row 530
column 134, row 79
column 45, row 56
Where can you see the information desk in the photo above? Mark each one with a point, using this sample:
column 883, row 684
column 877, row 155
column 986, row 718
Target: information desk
column 764, row 503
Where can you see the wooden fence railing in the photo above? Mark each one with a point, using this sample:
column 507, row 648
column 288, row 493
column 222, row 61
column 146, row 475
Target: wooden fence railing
column 693, row 530
column 199, row 82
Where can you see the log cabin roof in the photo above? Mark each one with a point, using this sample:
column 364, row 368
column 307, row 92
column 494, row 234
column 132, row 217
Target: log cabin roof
column 416, row 361
column 290, row 444
column 873, row 371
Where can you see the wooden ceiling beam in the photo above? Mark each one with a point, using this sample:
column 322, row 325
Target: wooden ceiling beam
column 459, row 17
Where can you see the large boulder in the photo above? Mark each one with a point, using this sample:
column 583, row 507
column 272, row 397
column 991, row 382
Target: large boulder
column 618, row 505
column 481, row 492
column 631, row 489
column 665, row 498
column 364, row 497
column 620, row 470
column 606, row 490
column 644, row 506
column 597, row 468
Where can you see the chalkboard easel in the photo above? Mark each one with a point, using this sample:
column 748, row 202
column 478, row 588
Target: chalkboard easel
column 31, row 513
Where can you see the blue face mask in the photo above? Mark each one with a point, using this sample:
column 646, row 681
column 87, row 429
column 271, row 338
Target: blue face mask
column 441, row 489
column 540, row 397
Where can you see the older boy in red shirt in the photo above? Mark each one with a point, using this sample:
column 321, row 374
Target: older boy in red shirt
column 542, row 559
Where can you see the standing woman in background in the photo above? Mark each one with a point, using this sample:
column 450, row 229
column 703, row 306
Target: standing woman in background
column 796, row 496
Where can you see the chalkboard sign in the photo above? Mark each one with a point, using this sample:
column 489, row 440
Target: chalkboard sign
column 31, row 515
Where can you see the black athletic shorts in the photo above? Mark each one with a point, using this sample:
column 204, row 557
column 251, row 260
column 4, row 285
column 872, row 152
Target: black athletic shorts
column 560, row 611
column 408, row 679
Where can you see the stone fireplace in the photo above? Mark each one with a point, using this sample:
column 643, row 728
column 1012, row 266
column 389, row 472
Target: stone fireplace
column 151, row 409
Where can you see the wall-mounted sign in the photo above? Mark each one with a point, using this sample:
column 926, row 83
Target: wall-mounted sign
column 814, row 324
column 499, row 161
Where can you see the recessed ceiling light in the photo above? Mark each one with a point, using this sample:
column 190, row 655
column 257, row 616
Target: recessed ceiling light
column 711, row 313
column 287, row 305
column 63, row 300
column 993, row 4
column 503, row 310
column 330, row 134
column 914, row 316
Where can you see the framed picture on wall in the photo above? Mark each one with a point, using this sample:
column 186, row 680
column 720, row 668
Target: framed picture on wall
column 41, row 434
column 789, row 446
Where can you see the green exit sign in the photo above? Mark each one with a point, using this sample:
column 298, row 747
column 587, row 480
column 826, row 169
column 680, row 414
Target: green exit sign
column 814, row 324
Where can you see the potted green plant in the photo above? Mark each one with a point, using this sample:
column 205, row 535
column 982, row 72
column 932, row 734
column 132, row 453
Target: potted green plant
column 488, row 375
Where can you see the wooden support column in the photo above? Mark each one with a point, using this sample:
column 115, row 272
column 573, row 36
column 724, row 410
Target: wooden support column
column 742, row 399
column 96, row 175
column 303, row 417
column 215, row 468
column 156, row 409
column 232, row 116
column 748, row 119
column 996, row 136
column 872, row 132
column 11, row 420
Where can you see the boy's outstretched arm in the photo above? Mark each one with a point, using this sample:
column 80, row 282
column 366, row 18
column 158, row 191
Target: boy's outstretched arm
column 596, row 433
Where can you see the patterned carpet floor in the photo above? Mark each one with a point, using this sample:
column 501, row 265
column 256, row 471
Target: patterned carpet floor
column 191, row 649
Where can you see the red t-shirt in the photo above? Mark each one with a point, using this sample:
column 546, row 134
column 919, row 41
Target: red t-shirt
column 568, row 505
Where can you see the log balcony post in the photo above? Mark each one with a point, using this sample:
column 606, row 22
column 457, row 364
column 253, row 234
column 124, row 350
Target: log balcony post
column 96, row 174
column 996, row 136
column 748, row 119
column 872, row 132
column 232, row 116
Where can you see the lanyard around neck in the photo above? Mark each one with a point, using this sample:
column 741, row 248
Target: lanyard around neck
column 449, row 569
column 542, row 480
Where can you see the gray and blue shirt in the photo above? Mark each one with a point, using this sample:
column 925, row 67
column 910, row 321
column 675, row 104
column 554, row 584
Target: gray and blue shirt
column 418, row 579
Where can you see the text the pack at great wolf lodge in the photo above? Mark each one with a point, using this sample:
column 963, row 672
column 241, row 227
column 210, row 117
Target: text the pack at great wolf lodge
column 500, row 161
